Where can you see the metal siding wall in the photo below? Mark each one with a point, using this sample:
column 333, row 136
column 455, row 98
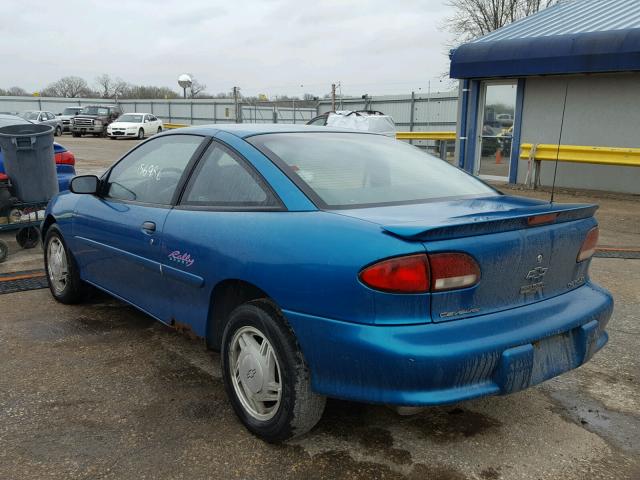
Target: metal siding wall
column 602, row 110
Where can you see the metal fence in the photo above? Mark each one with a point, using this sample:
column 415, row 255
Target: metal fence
column 276, row 114
column 435, row 112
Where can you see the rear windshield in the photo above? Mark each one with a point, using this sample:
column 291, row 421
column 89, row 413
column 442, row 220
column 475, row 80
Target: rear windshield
column 341, row 170
column 95, row 111
column 30, row 115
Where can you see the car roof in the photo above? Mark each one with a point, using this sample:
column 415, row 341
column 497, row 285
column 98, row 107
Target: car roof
column 244, row 130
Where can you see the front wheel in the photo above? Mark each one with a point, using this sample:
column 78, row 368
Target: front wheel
column 159, row 130
column 58, row 132
column 62, row 272
column 265, row 375
column 140, row 134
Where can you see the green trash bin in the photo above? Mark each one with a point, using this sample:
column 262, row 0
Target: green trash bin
column 29, row 161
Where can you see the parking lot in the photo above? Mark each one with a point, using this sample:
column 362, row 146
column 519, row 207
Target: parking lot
column 102, row 391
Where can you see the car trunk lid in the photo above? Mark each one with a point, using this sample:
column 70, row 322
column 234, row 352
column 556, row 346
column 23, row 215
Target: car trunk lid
column 520, row 262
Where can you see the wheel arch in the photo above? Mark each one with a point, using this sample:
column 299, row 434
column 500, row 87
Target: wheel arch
column 225, row 297
column 50, row 220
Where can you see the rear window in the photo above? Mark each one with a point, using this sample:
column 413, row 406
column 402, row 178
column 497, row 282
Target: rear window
column 342, row 170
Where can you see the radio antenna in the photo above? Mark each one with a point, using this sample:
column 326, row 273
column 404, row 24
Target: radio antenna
column 555, row 170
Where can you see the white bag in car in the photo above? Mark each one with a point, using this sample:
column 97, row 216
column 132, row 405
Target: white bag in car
column 364, row 121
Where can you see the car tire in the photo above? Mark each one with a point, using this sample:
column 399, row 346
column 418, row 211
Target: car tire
column 28, row 237
column 159, row 130
column 141, row 134
column 291, row 408
column 57, row 256
column 75, row 134
column 57, row 132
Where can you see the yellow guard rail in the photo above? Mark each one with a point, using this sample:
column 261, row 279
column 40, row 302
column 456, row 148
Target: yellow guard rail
column 625, row 157
column 426, row 135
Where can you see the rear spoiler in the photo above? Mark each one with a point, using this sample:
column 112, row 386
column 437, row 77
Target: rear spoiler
column 492, row 222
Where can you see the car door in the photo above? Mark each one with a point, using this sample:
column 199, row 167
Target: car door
column 214, row 230
column 118, row 234
column 148, row 127
column 51, row 119
column 153, row 124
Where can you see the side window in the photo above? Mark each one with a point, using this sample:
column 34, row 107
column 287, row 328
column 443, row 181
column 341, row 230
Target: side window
column 150, row 173
column 222, row 179
column 321, row 120
column 50, row 116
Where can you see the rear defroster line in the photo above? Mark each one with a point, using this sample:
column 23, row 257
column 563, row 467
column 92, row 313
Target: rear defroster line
column 22, row 281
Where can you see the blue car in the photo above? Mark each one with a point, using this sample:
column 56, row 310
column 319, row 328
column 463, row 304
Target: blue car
column 327, row 263
column 65, row 160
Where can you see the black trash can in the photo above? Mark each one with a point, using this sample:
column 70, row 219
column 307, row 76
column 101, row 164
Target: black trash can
column 29, row 161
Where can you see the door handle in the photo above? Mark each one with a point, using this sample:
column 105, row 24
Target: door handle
column 149, row 227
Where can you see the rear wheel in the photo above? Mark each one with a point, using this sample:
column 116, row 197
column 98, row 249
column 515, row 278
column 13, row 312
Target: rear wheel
column 140, row 134
column 62, row 272
column 265, row 375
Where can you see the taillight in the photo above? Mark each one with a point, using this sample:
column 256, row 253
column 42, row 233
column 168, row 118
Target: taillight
column 422, row 273
column 65, row 158
column 398, row 275
column 542, row 219
column 589, row 245
column 450, row 271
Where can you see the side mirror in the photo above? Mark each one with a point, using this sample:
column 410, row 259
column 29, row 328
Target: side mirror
column 87, row 184
column 58, row 114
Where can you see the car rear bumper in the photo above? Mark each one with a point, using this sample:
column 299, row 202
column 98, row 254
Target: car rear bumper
column 439, row 363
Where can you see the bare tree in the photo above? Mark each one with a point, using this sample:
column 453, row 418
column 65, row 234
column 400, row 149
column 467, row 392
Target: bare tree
column 475, row 18
column 197, row 88
column 70, row 87
column 17, row 92
column 111, row 88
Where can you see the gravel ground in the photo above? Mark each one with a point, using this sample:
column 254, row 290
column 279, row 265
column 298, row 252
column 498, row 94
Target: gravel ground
column 102, row 391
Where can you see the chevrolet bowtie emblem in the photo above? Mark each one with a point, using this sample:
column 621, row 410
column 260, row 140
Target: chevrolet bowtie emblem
column 536, row 274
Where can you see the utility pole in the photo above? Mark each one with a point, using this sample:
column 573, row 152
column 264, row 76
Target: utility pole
column 236, row 91
column 333, row 97
column 235, row 102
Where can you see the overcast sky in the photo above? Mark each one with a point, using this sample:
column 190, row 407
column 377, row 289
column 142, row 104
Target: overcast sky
column 263, row 46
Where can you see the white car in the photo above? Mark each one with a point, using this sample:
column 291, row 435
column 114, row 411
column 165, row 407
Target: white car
column 136, row 125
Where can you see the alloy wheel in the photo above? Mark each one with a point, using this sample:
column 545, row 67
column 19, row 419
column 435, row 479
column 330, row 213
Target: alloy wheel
column 57, row 265
column 255, row 373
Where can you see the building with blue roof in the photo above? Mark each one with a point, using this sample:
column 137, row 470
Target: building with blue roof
column 513, row 87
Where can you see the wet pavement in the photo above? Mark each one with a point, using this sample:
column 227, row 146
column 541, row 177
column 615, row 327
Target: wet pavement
column 102, row 391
